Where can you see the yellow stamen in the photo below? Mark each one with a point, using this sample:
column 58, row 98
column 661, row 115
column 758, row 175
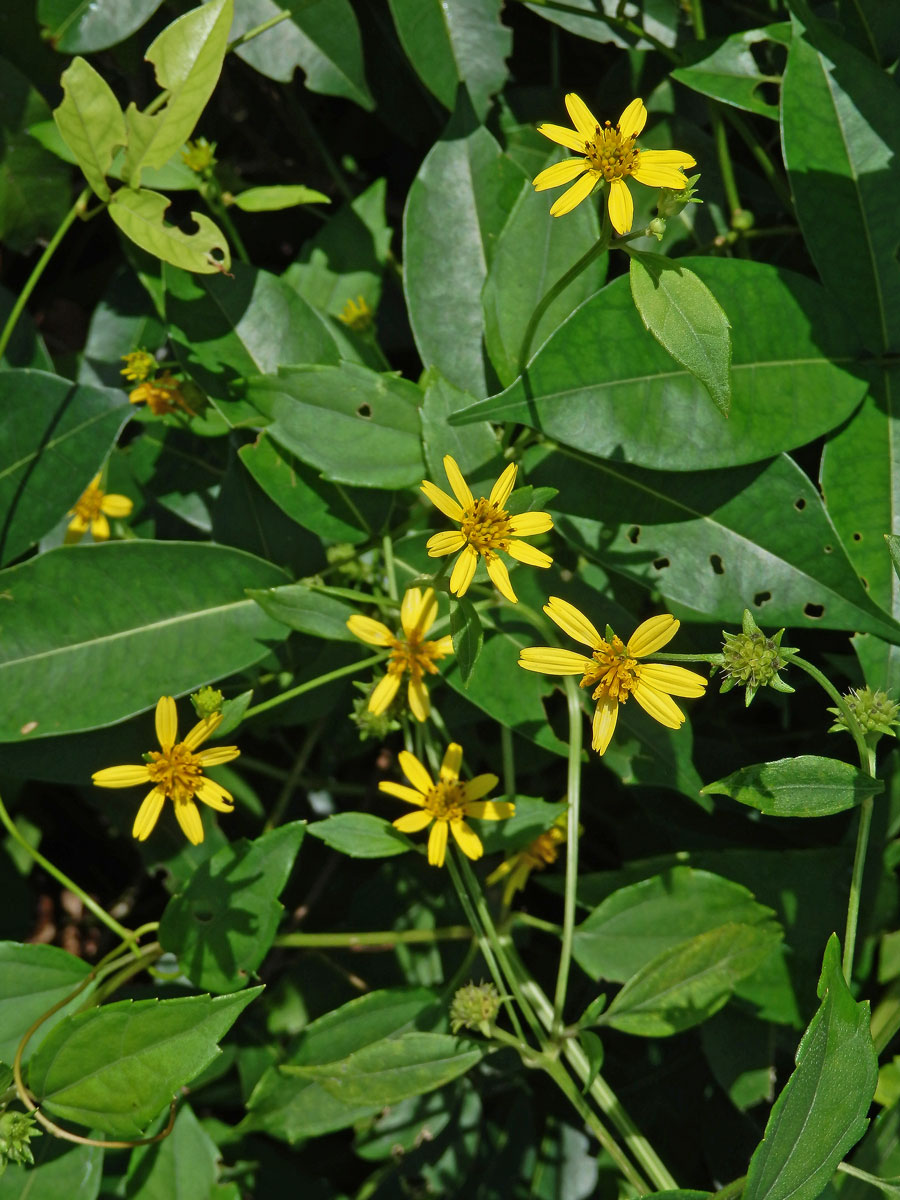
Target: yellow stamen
column 446, row 802
column 615, row 674
column 178, row 770
column 613, row 155
column 90, row 505
column 485, row 526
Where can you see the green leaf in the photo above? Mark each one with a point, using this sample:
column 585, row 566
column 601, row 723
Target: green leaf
column 361, row 835
column 531, row 818
column 61, row 1171
column 394, row 1068
column 294, row 1108
column 354, row 425
column 140, row 215
column 185, row 1164
column 822, row 1109
column 730, row 74
column 637, row 924
column 840, row 130
column 715, row 543
column 223, row 923
column 90, row 122
column 455, row 210
column 321, row 37
column 602, row 386
column 187, row 57
column 686, row 984
column 806, row 786
column 302, row 607
column 32, row 980
column 114, row 1068
column 473, row 446
column 893, row 545
column 467, row 634
column 517, row 278
column 453, row 42
column 25, row 348
column 73, row 617
column 54, row 437
column 272, row 199
column 173, row 176
column 684, row 316
column 84, row 26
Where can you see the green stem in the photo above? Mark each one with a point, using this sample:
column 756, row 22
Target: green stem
column 615, row 22
column 732, row 1190
column 387, row 550
column 312, row 684
column 859, row 867
column 380, row 939
column 31, row 283
column 598, row 248
column 851, row 722
column 524, row 918
column 724, row 156
column 287, row 791
column 257, row 30
column 213, row 197
column 146, row 959
column 111, row 923
column 886, row 1018
column 890, row 1186
column 573, row 794
column 763, row 161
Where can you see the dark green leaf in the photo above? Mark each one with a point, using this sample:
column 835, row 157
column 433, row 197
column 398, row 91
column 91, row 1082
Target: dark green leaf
column 822, row 1110
column 83, row 26
column 32, row 980
column 114, row 1068
column 94, row 634
column 798, row 787
column 301, row 607
column 473, row 446
column 730, row 73
column 61, row 1171
column 361, row 835
column 185, row 1164
column 467, row 634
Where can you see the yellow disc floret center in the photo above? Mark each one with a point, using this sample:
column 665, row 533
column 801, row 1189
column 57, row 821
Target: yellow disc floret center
column 613, row 155
column 90, row 506
column 613, row 674
column 413, row 657
column 485, row 526
column 543, row 850
column 177, row 772
column 446, row 802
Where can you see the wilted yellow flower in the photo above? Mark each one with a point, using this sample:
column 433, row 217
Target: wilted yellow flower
column 357, row 314
column 199, row 155
column 613, row 670
column 536, row 856
column 447, row 803
column 139, row 365
column 176, row 771
column 608, row 154
column 485, row 528
column 410, row 654
column 162, row 395
column 91, row 510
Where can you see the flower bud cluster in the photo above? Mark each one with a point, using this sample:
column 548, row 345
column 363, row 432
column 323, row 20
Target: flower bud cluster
column 16, row 1131
column 875, row 713
column 474, row 1006
column 753, row 660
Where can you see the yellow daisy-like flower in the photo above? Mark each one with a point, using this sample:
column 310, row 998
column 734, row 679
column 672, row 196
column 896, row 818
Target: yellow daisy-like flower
column 485, row 528
column 536, row 856
column 139, row 365
column 608, row 154
column 447, row 803
column 357, row 315
column 176, row 771
column 91, row 510
column 613, row 670
column 162, row 395
column 411, row 654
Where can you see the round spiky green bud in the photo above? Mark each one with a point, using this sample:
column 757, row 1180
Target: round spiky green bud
column 752, row 659
column 474, row 1007
column 207, row 701
column 875, row 713
column 16, row 1131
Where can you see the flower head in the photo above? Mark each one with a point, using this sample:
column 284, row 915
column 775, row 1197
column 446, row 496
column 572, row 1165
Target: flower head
column 139, row 365
column 176, row 771
column 411, row 654
column 91, row 510
column 474, row 1006
column 199, row 155
column 875, row 713
column 485, row 528
column 613, row 669
column 357, row 315
column 608, row 154
column 753, row 660
column 446, row 803
column 162, row 395
column 536, row 856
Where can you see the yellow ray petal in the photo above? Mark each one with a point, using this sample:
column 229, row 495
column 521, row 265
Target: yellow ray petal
column 604, row 723
column 580, row 190
column 677, row 681
column 383, row 693
column 460, row 487
column 480, row 786
column 148, row 814
column 496, row 568
column 656, row 175
column 548, row 660
column 501, row 490
column 621, row 206
column 633, row 119
column 463, row 571
column 452, row 762
column 121, row 777
column 530, row 523
column 559, row 173
column 437, row 843
column 413, row 822
column 368, row 630
column 401, row 792
column 441, row 500
column 100, row 528
column 570, row 138
column 661, row 707
column 467, row 839
column 217, row 754
column 214, row 795
column 651, row 635
column 188, row 815
column 415, row 772
column 417, row 699
column 116, row 506
column 582, row 117
column 166, row 722
column 490, row 810
column 447, row 542
column 202, row 730
column 528, row 554
column 572, row 621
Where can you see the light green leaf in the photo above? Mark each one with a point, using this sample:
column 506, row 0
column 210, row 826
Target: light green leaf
column 54, row 437
column 394, row 1068
column 684, row 985
column 271, row 199
column 61, row 1171
column 361, row 835
column 116, row 1067
column 187, row 57
column 72, row 619
column 686, row 319
column 183, row 1165
column 223, row 923
column 730, row 74
column 301, row 607
column 806, row 786
column 84, row 26
column 32, row 980
column 140, row 215
column 90, row 122
column 453, row 42
column 822, row 1110
column 473, row 446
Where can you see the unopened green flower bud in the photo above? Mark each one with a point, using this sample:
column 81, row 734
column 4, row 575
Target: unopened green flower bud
column 875, row 713
column 742, row 220
column 199, row 156
column 670, row 202
column 752, row 659
column 474, row 1007
column 16, row 1131
column 207, row 701
column 371, row 726
column 657, row 228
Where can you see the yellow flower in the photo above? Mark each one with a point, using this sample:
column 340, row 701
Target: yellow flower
column 410, row 654
column 176, row 771
column 447, row 803
column 608, row 153
column 536, row 856
column 357, row 314
column 485, row 528
column 613, row 670
column 91, row 511
column 162, row 395
column 139, row 365
column 199, row 156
